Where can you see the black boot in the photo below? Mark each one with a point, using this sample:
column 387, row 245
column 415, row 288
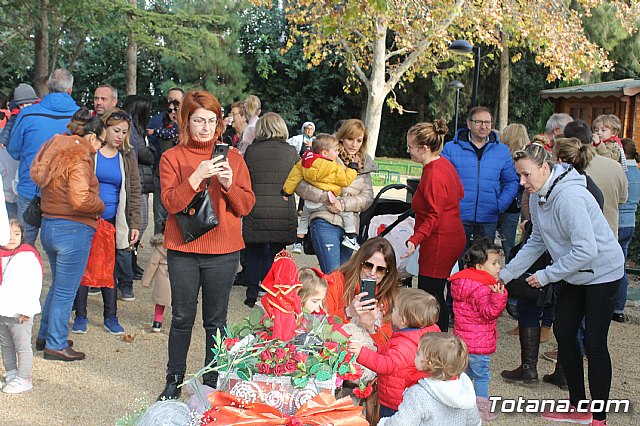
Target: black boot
column 557, row 377
column 137, row 270
column 171, row 389
column 527, row 373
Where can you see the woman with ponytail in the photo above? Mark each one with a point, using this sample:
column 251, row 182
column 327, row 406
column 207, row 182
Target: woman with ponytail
column 438, row 229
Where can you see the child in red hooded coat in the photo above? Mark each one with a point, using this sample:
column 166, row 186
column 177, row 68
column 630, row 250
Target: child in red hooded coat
column 415, row 313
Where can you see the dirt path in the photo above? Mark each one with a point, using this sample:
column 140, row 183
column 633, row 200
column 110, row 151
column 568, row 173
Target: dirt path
column 119, row 377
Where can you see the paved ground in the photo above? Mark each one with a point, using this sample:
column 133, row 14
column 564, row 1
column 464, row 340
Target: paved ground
column 119, row 377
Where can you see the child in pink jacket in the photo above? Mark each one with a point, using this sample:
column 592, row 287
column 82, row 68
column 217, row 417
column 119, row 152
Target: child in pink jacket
column 478, row 300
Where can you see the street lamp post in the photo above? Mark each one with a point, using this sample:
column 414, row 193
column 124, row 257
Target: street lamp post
column 463, row 47
column 455, row 84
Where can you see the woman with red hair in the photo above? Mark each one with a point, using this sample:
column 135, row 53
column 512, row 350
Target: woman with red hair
column 210, row 261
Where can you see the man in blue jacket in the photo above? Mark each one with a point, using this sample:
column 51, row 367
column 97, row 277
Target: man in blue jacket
column 34, row 126
column 487, row 173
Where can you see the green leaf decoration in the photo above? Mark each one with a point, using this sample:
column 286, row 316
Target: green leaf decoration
column 255, row 316
column 323, row 376
column 268, row 322
column 344, row 368
column 338, row 337
column 300, row 382
column 243, row 375
column 342, row 356
column 315, row 368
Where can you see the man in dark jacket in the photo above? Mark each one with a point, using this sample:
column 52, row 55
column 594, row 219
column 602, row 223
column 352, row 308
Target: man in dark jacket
column 486, row 171
column 34, row 126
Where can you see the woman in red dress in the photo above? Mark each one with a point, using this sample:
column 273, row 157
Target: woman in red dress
column 438, row 229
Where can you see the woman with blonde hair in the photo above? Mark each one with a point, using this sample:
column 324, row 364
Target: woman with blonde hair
column 119, row 179
column 326, row 227
column 515, row 136
column 271, row 225
column 438, row 229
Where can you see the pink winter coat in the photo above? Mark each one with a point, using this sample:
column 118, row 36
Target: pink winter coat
column 476, row 309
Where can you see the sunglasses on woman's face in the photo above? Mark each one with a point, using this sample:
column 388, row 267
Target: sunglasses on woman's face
column 121, row 116
column 381, row 271
column 173, row 110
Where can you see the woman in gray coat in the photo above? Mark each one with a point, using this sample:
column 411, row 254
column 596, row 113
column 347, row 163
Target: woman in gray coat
column 271, row 225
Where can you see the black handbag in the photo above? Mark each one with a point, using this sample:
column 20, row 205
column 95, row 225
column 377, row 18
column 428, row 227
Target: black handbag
column 518, row 288
column 198, row 217
column 307, row 244
column 33, row 213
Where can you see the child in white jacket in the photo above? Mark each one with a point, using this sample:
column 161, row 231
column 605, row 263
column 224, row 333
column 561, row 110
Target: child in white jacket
column 21, row 271
column 447, row 395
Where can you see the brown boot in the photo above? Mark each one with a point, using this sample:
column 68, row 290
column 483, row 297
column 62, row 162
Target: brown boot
column 527, row 373
column 545, row 334
column 514, row 331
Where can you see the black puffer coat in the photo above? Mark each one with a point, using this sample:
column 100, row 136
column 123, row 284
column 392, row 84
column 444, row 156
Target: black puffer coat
column 272, row 219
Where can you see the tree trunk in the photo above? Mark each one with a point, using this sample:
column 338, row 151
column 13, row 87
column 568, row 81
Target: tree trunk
column 132, row 59
column 503, row 118
column 377, row 88
column 41, row 49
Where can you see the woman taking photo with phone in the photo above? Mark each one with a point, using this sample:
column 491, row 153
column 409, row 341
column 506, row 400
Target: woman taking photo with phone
column 376, row 261
column 210, row 261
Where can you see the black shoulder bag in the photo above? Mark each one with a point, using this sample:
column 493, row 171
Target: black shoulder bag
column 198, row 217
column 33, row 213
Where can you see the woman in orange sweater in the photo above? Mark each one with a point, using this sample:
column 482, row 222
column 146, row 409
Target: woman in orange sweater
column 209, row 261
column 375, row 260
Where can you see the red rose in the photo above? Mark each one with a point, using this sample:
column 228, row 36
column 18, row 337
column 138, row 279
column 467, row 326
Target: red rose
column 280, row 354
column 353, row 376
column 279, row 370
column 362, row 391
column 265, row 355
column 290, row 366
column 263, row 368
column 291, row 347
column 331, row 346
column 300, row 357
column 228, row 343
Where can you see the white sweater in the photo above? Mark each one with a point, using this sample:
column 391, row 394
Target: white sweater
column 21, row 285
column 437, row 402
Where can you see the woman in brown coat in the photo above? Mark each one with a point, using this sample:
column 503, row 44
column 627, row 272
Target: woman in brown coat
column 71, row 206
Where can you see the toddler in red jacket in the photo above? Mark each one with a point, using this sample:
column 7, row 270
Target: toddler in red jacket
column 478, row 301
column 415, row 313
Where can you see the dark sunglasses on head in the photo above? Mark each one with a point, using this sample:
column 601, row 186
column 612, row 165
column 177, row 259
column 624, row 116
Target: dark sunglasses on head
column 121, row 116
column 380, row 270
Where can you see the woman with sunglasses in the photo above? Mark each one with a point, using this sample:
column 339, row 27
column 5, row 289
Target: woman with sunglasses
column 326, row 228
column 438, row 229
column 588, row 266
column 117, row 173
column 210, row 261
column 375, row 260
column 168, row 133
column 71, row 206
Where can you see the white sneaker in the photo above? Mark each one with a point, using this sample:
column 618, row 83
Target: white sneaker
column 297, row 248
column 351, row 243
column 18, row 385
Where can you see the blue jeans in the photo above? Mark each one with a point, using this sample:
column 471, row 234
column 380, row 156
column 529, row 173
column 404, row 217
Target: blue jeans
column 477, row 229
column 67, row 244
column 508, row 228
column 529, row 314
column 478, row 371
column 30, row 231
column 327, row 243
column 624, row 238
column 386, row 411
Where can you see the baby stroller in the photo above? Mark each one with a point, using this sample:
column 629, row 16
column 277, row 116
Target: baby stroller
column 392, row 219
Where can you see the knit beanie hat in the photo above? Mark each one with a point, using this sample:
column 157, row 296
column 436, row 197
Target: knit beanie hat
column 24, row 94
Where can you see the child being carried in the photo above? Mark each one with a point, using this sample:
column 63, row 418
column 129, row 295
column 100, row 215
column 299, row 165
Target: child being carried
column 319, row 168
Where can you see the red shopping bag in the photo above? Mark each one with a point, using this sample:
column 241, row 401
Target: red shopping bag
column 102, row 257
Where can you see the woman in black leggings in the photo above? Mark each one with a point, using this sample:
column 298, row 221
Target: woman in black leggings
column 568, row 222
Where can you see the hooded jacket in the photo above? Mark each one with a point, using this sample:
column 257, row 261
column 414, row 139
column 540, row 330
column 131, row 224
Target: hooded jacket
column 35, row 125
column 572, row 228
column 490, row 184
column 437, row 402
column 476, row 309
column 320, row 172
column 395, row 364
column 63, row 169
